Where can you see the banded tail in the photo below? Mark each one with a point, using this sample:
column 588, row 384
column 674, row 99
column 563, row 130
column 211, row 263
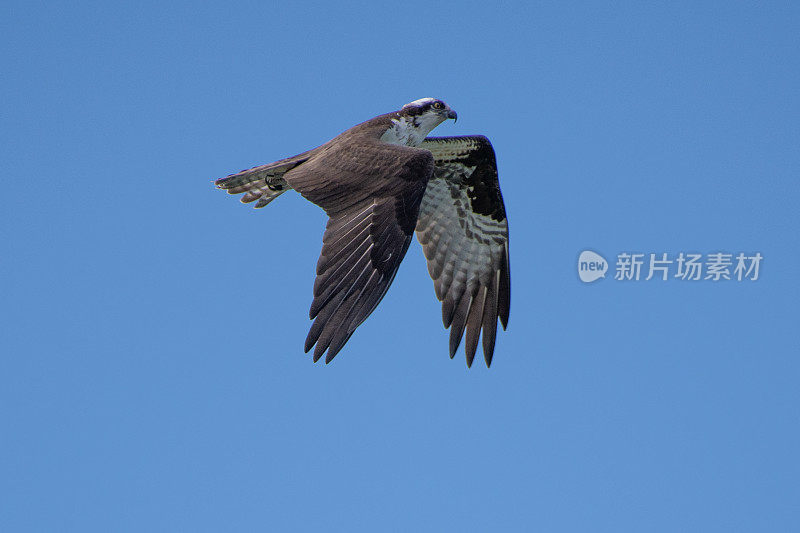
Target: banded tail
column 263, row 183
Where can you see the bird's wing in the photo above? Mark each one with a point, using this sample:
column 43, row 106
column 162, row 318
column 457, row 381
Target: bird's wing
column 371, row 191
column 463, row 230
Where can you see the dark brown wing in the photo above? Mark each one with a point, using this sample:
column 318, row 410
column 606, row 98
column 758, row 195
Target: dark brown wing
column 372, row 192
column 463, row 230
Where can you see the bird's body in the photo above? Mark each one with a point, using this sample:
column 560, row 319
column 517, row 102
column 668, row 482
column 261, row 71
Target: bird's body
column 378, row 182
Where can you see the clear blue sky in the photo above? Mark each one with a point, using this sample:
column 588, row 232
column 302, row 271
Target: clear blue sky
column 152, row 372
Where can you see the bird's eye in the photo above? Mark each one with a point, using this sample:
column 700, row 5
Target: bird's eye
column 438, row 105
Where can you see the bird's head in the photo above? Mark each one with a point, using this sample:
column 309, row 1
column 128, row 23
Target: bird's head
column 428, row 112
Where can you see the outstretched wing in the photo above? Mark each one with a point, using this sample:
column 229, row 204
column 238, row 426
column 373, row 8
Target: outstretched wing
column 463, row 230
column 372, row 192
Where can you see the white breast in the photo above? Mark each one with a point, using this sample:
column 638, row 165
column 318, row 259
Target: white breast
column 402, row 131
column 411, row 131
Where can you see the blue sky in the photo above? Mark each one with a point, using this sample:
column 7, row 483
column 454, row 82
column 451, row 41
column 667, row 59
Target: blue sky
column 153, row 377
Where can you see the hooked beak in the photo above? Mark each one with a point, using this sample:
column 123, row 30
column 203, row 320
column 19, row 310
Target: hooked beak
column 452, row 114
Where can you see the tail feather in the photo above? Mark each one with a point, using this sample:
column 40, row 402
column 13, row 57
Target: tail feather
column 264, row 192
column 263, row 183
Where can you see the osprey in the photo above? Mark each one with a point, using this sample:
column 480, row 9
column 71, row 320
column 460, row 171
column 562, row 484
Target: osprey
column 378, row 182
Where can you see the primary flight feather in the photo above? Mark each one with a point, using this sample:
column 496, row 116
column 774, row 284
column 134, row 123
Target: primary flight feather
column 379, row 182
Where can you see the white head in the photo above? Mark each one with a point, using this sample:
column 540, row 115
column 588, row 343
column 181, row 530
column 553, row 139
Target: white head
column 428, row 110
column 416, row 120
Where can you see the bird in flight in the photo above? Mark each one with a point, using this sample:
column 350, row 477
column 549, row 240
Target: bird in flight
column 379, row 182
